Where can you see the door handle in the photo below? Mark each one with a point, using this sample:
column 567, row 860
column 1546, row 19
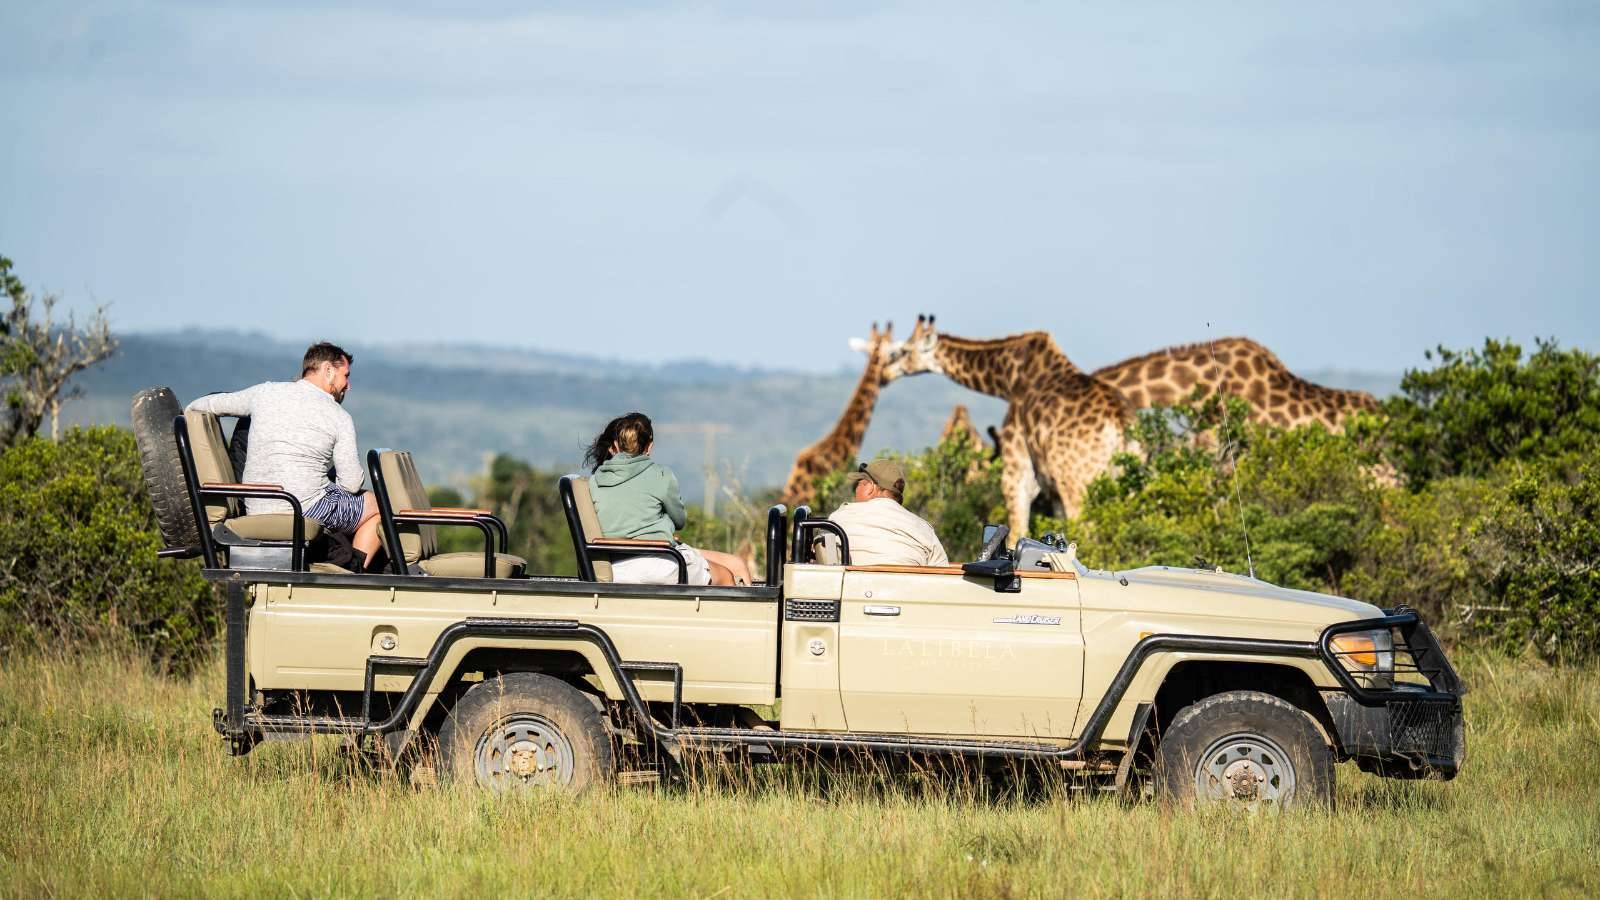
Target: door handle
column 881, row 610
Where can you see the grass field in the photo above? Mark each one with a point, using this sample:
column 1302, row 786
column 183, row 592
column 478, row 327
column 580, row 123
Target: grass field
column 112, row 782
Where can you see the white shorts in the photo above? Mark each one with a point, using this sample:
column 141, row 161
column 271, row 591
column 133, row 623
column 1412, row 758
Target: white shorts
column 661, row 569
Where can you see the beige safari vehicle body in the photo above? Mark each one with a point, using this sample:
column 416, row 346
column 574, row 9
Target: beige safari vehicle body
column 1027, row 655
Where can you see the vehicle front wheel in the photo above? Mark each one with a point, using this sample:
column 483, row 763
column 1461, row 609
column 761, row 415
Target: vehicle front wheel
column 525, row 731
column 1244, row 748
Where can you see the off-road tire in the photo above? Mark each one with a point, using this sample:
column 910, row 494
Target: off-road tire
column 153, row 412
column 523, row 730
column 1251, row 733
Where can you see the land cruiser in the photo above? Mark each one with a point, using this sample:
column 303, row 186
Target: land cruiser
column 1210, row 686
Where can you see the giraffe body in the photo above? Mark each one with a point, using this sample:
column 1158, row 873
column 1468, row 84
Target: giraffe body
column 1237, row 366
column 1062, row 426
column 841, row 444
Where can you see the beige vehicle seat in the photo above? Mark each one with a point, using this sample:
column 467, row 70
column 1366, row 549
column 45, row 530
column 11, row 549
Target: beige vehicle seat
column 213, row 467
column 408, row 498
column 224, row 518
column 591, row 547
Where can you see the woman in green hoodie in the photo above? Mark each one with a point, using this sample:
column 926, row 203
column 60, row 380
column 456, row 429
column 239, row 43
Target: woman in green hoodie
column 637, row 497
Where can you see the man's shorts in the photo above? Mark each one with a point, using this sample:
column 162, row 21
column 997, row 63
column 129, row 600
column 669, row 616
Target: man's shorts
column 660, row 569
column 337, row 509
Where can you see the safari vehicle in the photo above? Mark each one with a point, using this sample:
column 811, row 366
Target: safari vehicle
column 1209, row 686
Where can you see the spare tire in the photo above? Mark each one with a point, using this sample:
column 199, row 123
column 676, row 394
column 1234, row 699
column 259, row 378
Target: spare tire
column 153, row 412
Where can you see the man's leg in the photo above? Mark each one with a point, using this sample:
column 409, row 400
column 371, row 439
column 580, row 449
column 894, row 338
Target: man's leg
column 365, row 537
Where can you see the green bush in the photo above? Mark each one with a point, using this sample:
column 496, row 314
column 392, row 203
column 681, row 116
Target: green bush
column 1211, row 489
column 1543, row 564
column 1477, row 408
column 78, row 553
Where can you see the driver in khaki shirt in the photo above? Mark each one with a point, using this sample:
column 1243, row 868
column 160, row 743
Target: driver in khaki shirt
column 881, row 531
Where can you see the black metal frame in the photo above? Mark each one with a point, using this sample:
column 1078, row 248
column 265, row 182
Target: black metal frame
column 491, row 525
column 800, row 550
column 197, row 492
column 777, row 537
column 1443, row 681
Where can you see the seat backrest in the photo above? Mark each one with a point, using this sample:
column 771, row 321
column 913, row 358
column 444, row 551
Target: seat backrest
column 211, row 463
column 825, row 548
column 406, row 491
column 589, row 520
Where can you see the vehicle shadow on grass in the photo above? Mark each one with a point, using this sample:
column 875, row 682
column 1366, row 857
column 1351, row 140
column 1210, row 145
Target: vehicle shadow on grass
column 329, row 761
column 862, row 777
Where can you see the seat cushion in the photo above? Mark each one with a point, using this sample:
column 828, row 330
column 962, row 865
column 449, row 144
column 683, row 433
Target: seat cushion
column 271, row 527
column 470, row 565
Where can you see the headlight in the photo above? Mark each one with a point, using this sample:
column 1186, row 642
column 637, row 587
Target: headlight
column 1369, row 652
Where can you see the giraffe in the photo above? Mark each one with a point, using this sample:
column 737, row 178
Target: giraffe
column 1062, row 426
column 960, row 422
column 1238, row 366
column 840, row 445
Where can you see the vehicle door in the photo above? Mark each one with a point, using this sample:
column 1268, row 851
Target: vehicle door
column 932, row 651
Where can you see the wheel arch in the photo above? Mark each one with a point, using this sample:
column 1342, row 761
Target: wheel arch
column 1169, row 681
column 575, row 660
column 1192, row 680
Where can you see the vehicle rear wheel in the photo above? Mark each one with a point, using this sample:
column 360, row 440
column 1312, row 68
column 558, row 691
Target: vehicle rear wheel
column 524, row 731
column 153, row 412
column 1246, row 749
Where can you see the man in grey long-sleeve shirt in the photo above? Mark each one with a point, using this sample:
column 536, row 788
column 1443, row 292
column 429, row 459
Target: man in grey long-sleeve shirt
column 298, row 432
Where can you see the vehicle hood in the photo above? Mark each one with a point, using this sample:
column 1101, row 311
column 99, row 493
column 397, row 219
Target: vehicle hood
column 1260, row 596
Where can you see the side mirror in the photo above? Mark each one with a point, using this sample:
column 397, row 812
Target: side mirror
column 1006, row 579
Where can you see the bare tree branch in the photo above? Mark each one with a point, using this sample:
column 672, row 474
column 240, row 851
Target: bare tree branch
column 38, row 357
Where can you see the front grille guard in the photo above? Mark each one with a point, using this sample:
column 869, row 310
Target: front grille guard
column 1418, row 660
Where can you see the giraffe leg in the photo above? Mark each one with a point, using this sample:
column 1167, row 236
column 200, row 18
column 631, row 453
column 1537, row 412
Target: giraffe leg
column 1018, row 482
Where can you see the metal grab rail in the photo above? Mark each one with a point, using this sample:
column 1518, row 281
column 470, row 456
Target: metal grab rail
column 800, row 550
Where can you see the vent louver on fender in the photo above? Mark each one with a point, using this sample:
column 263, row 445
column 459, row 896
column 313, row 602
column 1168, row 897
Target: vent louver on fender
column 811, row 610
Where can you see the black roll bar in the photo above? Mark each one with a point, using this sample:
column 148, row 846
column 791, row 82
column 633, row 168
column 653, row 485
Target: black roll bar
column 800, row 550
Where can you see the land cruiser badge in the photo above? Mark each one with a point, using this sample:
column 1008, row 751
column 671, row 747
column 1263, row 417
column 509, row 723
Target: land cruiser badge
column 1027, row 619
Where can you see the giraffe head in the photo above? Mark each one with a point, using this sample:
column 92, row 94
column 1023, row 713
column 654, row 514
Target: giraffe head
column 914, row 355
column 877, row 343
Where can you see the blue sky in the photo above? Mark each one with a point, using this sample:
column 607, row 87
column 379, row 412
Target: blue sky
column 754, row 183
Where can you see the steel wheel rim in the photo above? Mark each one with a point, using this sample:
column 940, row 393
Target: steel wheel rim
column 524, row 750
column 1244, row 769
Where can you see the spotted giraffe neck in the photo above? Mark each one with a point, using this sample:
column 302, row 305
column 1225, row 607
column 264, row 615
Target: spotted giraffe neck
column 1003, row 366
column 844, row 439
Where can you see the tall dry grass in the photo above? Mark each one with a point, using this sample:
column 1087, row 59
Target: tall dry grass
column 112, row 782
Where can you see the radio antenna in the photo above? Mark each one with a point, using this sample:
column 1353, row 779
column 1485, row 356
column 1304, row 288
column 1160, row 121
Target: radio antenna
column 1238, row 501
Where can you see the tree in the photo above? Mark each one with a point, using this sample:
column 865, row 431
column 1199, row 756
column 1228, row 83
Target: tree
column 1477, row 408
column 37, row 358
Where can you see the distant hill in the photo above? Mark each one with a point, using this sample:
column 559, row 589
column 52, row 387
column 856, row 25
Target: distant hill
column 455, row 406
